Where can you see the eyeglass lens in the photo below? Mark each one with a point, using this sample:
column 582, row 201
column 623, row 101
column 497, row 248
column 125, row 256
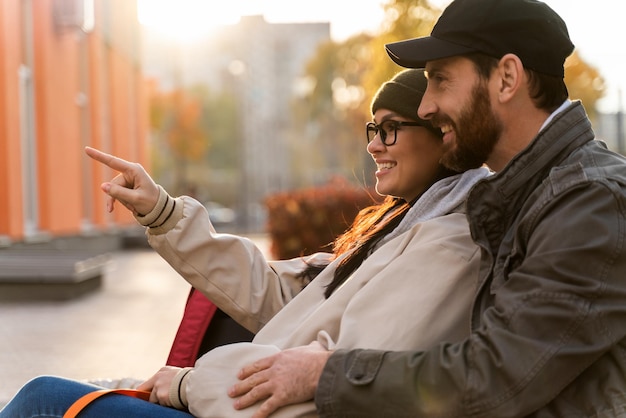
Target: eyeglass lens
column 384, row 130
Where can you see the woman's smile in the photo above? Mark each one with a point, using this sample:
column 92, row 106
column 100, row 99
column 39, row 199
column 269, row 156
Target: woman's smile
column 383, row 166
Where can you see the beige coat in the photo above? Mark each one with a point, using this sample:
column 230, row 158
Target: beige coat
column 412, row 292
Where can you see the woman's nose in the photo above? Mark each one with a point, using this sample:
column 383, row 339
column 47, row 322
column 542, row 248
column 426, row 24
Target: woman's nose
column 375, row 145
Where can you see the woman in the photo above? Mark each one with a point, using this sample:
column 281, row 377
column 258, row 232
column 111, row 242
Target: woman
column 400, row 278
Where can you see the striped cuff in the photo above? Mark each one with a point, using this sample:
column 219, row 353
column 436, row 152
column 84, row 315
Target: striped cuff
column 160, row 213
column 178, row 392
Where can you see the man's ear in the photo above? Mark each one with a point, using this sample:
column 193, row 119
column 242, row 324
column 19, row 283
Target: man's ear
column 511, row 74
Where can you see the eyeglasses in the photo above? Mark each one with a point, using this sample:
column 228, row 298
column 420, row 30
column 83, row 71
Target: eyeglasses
column 386, row 130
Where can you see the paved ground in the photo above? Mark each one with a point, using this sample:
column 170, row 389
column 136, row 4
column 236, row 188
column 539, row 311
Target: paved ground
column 124, row 329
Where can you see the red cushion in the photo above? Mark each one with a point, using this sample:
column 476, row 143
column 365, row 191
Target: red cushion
column 196, row 319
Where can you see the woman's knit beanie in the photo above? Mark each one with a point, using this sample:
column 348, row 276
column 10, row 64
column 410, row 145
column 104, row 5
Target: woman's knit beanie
column 402, row 95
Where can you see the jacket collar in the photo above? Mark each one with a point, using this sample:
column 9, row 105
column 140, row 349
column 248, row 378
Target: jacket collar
column 494, row 202
column 567, row 131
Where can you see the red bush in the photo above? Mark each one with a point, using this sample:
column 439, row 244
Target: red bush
column 306, row 221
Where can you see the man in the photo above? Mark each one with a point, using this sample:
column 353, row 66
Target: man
column 549, row 317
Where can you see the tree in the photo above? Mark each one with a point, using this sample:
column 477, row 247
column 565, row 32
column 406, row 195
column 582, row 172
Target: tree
column 344, row 78
column 326, row 134
column 193, row 129
column 403, row 19
column 584, row 82
column 176, row 118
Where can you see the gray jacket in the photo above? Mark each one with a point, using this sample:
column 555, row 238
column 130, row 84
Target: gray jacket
column 549, row 319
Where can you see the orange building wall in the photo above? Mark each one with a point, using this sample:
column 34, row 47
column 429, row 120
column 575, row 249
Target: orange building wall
column 69, row 195
column 97, row 54
column 122, row 100
column 122, row 123
column 58, row 123
column 11, row 216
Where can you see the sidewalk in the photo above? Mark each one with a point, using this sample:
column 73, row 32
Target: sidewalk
column 124, row 329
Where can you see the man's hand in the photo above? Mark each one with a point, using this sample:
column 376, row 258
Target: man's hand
column 133, row 187
column 159, row 385
column 285, row 378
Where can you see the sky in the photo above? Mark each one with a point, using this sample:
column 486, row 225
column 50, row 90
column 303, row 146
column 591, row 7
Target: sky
column 596, row 28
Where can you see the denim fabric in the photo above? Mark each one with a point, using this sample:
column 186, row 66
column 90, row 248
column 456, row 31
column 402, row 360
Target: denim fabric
column 50, row 397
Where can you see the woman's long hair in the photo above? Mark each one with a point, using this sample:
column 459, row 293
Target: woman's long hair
column 369, row 226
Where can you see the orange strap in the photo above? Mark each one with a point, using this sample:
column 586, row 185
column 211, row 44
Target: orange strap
column 85, row 400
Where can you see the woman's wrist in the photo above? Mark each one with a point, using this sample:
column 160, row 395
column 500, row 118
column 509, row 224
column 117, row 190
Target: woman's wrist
column 160, row 212
column 178, row 392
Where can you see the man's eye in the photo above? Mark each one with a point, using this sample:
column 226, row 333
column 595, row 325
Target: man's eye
column 437, row 79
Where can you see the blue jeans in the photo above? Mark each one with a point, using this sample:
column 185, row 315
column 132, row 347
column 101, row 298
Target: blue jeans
column 50, row 397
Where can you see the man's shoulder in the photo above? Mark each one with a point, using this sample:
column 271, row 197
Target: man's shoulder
column 598, row 162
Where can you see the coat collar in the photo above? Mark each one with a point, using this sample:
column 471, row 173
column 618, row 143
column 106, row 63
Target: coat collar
column 494, row 202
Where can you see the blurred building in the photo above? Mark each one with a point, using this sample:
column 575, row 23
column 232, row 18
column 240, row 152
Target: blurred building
column 262, row 64
column 70, row 76
column 610, row 127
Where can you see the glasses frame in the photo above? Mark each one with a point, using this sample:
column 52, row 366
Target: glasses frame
column 379, row 130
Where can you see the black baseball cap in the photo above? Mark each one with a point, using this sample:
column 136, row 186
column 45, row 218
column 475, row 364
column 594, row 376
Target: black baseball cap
column 529, row 29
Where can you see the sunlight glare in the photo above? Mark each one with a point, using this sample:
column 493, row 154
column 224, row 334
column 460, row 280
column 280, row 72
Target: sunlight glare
column 185, row 20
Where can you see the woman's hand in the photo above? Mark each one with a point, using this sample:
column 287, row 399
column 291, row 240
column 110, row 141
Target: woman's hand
column 159, row 385
column 133, row 187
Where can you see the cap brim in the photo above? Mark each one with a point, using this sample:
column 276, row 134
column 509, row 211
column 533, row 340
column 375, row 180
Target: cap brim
column 415, row 53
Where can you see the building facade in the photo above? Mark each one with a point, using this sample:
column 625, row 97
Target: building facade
column 611, row 128
column 70, row 77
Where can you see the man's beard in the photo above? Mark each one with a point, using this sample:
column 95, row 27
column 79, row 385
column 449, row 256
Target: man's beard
column 476, row 133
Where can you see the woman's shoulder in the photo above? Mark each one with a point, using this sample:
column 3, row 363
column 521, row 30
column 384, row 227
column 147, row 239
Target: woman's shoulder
column 449, row 231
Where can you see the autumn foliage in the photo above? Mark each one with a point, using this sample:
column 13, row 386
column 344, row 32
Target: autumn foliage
column 178, row 115
column 305, row 221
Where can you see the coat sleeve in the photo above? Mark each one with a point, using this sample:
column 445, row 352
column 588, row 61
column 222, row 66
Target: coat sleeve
column 556, row 310
column 230, row 270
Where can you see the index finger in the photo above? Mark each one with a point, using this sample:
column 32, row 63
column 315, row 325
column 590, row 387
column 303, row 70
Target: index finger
column 109, row 160
column 148, row 384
